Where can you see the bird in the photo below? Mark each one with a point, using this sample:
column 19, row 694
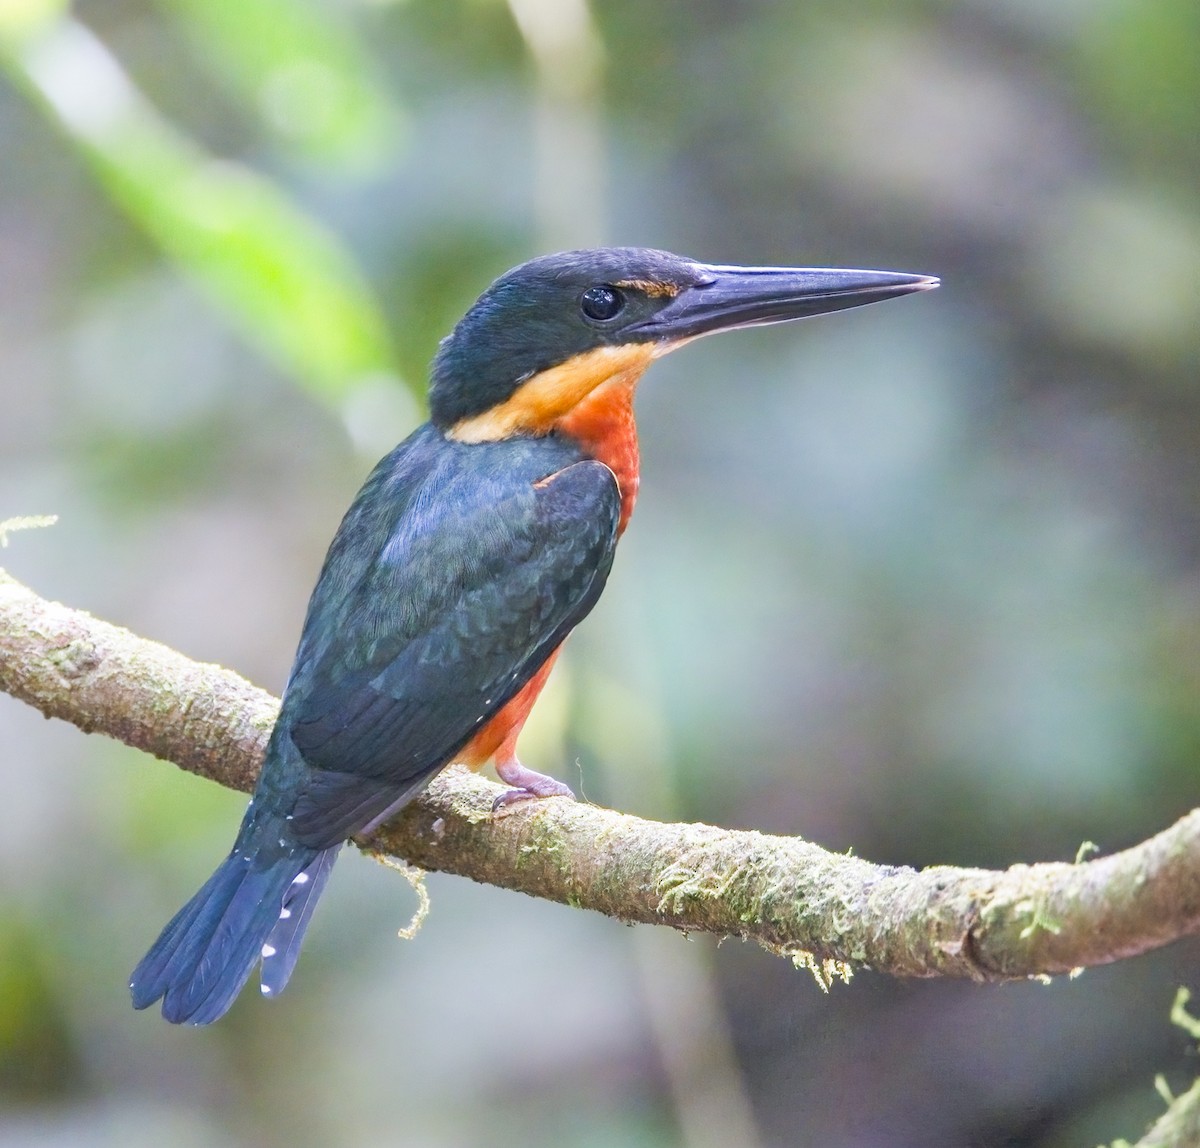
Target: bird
column 470, row 553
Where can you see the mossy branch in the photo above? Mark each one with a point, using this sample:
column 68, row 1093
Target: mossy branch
column 792, row 897
column 1178, row 1127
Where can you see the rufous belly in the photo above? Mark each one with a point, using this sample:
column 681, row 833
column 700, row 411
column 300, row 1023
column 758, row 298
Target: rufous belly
column 498, row 738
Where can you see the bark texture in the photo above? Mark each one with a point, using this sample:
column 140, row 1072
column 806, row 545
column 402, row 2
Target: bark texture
column 827, row 911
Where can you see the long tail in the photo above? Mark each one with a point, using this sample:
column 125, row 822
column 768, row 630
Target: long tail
column 255, row 907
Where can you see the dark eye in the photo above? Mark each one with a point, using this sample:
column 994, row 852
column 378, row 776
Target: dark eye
column 601, row 303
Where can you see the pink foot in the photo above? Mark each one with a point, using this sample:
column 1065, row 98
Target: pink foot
column 527, row 783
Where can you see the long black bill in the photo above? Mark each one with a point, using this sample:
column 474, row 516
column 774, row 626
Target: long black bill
column 731, row 297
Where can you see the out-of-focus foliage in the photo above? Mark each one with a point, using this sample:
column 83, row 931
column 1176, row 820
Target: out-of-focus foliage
column 921, row 581
column 304, row 68
column 277, row 272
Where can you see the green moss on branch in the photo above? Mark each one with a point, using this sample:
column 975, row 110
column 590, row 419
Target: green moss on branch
column 787, row 894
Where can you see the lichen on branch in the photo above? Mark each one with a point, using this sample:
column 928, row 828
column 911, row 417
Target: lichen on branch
column 824, row 910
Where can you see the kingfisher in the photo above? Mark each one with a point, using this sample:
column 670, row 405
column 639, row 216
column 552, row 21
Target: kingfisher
column 468, row 556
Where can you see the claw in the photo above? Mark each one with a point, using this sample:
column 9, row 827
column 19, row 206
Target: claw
column 527, row 785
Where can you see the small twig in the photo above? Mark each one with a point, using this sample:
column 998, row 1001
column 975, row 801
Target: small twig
column 25, row 522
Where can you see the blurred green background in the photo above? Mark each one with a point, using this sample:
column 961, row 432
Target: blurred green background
column 921, row 581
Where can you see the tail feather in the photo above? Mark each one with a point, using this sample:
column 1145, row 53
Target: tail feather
column 179, row 946
column 282, row 946
column 210, row 947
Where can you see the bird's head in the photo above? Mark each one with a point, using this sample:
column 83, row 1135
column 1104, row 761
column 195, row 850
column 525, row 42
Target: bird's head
column 548, row 333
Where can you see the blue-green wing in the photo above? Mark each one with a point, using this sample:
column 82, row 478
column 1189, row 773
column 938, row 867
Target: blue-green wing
column 479, row 582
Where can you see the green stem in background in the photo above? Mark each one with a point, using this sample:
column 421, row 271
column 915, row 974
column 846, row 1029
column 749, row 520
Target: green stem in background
column 283, row 279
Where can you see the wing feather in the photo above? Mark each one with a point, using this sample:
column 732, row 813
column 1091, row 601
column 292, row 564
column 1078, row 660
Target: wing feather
column 465, row 602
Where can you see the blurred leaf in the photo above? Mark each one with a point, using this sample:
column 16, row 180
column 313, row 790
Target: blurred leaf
column 1141, row 236
column 23, row 18
column 165, row 814
column 36, row 1057
column 303, row 70
column 1139, row 66
column 277, row 273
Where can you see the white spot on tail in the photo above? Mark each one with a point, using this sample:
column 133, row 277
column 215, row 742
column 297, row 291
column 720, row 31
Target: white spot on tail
column 265, row 989
column 268, row 951
column 300, row 879
column 284, row 914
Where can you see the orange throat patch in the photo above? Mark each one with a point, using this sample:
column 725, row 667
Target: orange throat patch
column 604, row 426
column 589, row 398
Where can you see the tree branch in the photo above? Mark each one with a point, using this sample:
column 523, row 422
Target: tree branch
column 1179, row 1126
column 790, row 896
